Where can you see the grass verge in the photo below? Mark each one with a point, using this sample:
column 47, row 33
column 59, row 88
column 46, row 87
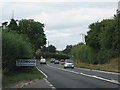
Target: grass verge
column 15, row 78
column 112, row 66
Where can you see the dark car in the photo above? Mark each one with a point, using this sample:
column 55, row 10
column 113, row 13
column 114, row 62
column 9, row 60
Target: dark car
column 52, row 60
column 56, row 62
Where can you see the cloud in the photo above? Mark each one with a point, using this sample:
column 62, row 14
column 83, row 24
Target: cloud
column 64, row 22
column 59, row 0
column 63, row 37
column 74, row 17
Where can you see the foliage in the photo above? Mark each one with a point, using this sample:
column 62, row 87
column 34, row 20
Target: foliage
column 13, row 25
column 52, row 49
column 112, row 66
column 4, row 25
column 14, row 46
column 67, row 49
column 34, row 31
column 82, row 53
column 52, row 55
column 92, row 39
column 102, row 42
column 117, row 34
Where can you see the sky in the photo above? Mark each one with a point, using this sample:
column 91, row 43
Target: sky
column 65, row 20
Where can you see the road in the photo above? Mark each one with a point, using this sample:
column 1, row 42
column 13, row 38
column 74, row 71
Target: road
column 78, row 78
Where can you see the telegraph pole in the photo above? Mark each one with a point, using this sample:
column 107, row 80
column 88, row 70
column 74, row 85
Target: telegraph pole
column 83, row 38
column 48, row 46
column 48, row 49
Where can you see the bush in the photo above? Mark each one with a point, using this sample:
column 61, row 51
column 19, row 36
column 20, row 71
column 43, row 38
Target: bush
column 82, row 53
column 105, row 55
column 51, row 55
column 14, row 46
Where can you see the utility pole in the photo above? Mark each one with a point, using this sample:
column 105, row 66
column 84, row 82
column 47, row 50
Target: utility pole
column 48, row 46
column 83, row 38
column 48, row 49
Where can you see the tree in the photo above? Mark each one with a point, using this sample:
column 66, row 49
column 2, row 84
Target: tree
column 51, row 49
column 14, row 46
column 4, row 25
column 104, row 39
column 34, row 31
column 107, row 34
column 92, row 39
column 117, row 34
column 67, row 49
column 13, row 25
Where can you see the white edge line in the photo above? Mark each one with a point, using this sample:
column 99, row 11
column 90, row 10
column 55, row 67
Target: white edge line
column 99, row 71
column 116, row 82
column 46, row 78
column 42, row 72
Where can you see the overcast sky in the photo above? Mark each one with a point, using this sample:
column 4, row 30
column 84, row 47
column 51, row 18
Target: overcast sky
column 64, row 20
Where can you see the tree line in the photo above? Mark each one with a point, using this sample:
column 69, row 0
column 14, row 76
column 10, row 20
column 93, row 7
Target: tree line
column 102, row 42
column 20, row 39
column 24, row 39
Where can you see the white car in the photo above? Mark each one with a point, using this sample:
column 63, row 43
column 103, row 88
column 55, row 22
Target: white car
column 68, row 63
column 43, row 61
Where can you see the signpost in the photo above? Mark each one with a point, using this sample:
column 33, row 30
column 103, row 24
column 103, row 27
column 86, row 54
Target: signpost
column 26, row 62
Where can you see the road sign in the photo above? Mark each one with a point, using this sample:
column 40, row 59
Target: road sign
column 26, row 62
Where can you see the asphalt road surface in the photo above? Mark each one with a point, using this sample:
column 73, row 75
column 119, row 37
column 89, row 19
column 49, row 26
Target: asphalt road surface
column 77, row 77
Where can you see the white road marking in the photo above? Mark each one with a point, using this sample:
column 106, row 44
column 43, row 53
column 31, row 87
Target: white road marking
column 49, row 83
column 53, row 88
column 46, row 78
column 42, row 72
column 92, row 76
column 99, row 71
column 96, row 70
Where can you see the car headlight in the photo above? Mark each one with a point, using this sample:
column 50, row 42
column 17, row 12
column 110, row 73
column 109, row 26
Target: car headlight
column 65, row 65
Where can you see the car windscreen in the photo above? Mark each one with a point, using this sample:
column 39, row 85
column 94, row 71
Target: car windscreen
column 69, row 61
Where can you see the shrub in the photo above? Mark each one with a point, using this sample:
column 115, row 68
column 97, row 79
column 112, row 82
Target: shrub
column 14, row 46
column 82, row 53
column 52, row 55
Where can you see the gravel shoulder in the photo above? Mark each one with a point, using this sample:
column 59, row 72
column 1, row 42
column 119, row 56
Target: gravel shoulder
column 33, row 84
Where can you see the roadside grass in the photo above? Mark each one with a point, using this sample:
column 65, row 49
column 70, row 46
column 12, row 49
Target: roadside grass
column 48, row 59
column 11, row 79
column 112, row 66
